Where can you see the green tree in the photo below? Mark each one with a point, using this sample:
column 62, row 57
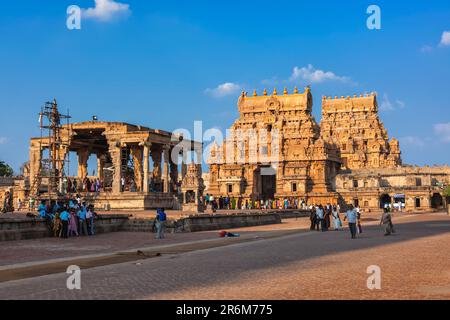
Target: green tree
column 5, row 170
column 447, row 194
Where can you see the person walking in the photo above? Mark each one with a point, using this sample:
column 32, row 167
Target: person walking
column 386, row 221
column 161, row 219
column 320, row 218
column 351, row 215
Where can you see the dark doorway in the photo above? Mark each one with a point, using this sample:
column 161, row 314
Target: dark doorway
column 437, row 202
column 384, row 200
column 268, row 186
column 417, row 202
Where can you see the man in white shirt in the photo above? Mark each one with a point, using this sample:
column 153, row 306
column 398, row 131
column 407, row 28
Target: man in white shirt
column 352, row 217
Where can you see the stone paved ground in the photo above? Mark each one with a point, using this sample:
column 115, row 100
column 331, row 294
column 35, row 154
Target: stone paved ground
column 308, row 265
column 16, row 252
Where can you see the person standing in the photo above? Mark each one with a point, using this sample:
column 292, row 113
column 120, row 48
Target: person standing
column 161, row 219
column 73, row 226
column 82, row 220
column 336, row 219
column 122, row 184
column 327, row 217
column 64, row 216
column 351, row 215
column 313, row 218
column 320, row 218
column 358, row 216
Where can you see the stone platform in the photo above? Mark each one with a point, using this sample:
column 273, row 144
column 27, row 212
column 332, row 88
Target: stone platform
column 19, row 227
column 132, row 201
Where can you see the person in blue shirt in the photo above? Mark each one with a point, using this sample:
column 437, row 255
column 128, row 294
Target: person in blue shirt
column 64, row 216
column 352, row 217
column 82, row 220
column 42, row 209
column 160, row 222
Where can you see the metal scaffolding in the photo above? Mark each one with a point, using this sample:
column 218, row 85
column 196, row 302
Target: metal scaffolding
column 56, row 142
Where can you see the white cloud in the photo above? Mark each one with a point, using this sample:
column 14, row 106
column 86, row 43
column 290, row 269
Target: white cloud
column 426, row 49
column 224, row 89
column 445, row 39
column 312, row 75
column 412, row 141
column 106, row 10
column 443, row 130
column 387, row 105
column 445, row 42
column 3, row 140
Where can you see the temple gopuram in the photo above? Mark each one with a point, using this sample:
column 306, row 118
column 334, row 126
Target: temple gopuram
column 346, row 159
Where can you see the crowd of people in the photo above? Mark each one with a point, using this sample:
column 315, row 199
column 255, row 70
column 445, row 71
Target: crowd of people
column 73, row 185
column 324, row 218
column 233, row 203
column 71, row 218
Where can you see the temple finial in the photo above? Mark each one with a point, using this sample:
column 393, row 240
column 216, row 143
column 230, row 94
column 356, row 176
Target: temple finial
column 296, row 90
column 254, row 93
column 265, row 92
column 285, row 92
column 275, row 92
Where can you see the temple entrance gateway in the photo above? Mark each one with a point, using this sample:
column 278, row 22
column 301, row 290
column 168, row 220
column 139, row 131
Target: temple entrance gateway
column 385, row 199
column 437, row 202
column 268, row 183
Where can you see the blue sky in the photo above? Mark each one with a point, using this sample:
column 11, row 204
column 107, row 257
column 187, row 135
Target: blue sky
column 165, row 64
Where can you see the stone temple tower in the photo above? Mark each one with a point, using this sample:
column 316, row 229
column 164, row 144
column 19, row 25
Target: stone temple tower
column 352, row 123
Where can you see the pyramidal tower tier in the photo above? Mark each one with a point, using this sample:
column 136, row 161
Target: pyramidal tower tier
column 352, row 123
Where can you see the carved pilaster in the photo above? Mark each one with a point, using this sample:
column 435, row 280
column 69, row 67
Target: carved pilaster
column 137, row 154
column 146, row 181
column 114, row 151
column 166, row 174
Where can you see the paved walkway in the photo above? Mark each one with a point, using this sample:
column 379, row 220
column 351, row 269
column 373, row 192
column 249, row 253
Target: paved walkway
column 25, row 251
column 306, row 265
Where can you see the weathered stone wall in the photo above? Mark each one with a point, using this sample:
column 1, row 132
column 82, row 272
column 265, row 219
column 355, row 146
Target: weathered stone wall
column 224, row 222
column 422, row 186
column 133, row 201
column 34, row 228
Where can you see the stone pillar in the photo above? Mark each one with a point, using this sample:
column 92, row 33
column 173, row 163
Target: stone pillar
column 174, row 176
column 136, row 154
column 83, row 156
column 35, row 168
column 100, row 166
column 166, row 175
column 114, row 151
column 146, row 181
column 156, row 158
